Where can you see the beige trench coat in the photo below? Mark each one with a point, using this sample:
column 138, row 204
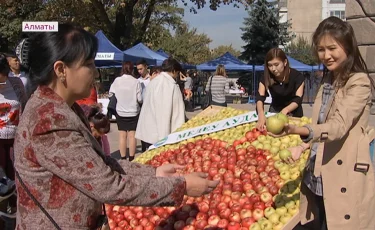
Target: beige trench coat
column 349, row 195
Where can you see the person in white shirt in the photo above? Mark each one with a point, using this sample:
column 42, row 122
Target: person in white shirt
column 128, row 93
column 144, row 79
column 144, row 76
column 163, row 109
column 15, row 70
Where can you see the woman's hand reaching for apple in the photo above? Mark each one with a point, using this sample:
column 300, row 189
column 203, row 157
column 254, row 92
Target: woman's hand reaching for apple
column 288, row 129
column 296, row 152
column 168, row 170
column 261, row 124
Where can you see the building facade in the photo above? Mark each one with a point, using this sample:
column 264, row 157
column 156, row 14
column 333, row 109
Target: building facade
column 361, row 15
column 305, row 15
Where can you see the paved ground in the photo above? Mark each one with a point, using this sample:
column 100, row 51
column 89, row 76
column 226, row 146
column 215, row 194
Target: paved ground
column 113, row 135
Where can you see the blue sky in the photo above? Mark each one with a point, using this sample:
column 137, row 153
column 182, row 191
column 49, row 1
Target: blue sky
column 222, row 25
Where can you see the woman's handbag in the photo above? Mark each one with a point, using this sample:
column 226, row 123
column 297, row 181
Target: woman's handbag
column 112, row 104
column 208, row 98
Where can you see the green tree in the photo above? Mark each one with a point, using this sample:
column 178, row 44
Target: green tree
column 220, row 50
column 187, row 45
column 125, row 22
column 300, row 49
column 263, row 31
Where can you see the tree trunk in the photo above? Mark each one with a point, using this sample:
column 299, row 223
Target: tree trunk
column 146, row 21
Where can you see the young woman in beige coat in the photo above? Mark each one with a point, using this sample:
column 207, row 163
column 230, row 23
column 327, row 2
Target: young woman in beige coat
column 338, row 187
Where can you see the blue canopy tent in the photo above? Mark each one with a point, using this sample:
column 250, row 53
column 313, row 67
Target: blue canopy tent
column 293, row 63
column 229, row 61
column 108, row 55
column 164, row 54
column 140, row 51
column 318, row 67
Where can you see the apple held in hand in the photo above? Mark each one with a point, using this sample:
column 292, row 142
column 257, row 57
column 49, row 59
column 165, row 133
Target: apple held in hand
column 285, row 154
column 275, row 124
column 283, row 117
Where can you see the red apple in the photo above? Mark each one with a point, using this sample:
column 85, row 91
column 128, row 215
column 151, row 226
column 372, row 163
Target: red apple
column 233, row 225
column 247, row 222
column 259, row 205
column 213, row 220
column 223, row 224
column 235, row 217
column 257, row 214
column 244, row 213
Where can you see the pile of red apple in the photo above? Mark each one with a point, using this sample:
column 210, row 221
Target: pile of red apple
column 248, row 183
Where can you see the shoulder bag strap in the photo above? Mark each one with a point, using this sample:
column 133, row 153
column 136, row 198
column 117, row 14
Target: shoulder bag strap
column 36, row 202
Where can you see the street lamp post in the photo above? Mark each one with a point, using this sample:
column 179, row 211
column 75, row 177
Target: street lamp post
column 253, row 72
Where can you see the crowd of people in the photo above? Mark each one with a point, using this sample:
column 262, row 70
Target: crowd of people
column 62, row 165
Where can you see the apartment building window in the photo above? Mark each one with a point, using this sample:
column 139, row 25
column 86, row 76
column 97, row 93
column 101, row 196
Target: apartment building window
column 338, row 13
column 336, row 1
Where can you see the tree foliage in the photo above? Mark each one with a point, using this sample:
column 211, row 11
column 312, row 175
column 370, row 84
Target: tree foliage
column 125, row 22
column 187, row 45
column 262, row 31
column 300, row 49
column 220, row 50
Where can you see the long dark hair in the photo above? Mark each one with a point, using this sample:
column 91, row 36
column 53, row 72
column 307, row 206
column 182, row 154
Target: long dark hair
column 69, row 44
column 269, row 78
column 128, row 68
column 343, row 33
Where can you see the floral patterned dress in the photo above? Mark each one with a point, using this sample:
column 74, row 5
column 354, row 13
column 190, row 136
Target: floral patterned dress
column 65, row 169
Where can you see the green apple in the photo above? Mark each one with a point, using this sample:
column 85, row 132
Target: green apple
column 294, row 168
column 275, row 125
column 276, row 143
column 285, row 139
column 285, row 154
column 259, row 146
column 276, row 157
column 255, row 226
column 283, row 117
column 261, row 138
column 274, row 218
column 284, row 146
column 267, row 142
column 266, row 146
column 246, row 144
column 285, row 218
column 269, row 211
column 290, row 204
column 295, row 175
column 255, row 143
column 278, row 226
column 285, row 175
column 281, row 210
column 293, row 210
column 266, row 225
column 278, row 164
column 293, row 143
column 284, row 168
column 261, row 220
column 274, row 150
